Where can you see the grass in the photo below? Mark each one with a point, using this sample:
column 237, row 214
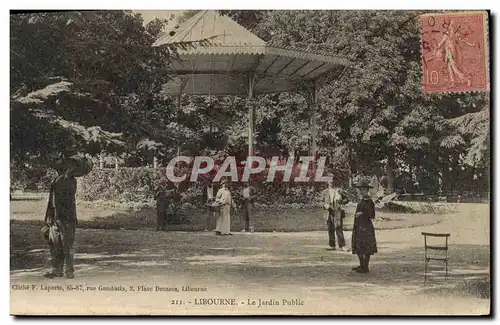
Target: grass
column 108, row 216
column 255, row 264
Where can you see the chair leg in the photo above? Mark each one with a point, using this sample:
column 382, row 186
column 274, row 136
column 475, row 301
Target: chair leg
column 425, row 272
column 446, row 272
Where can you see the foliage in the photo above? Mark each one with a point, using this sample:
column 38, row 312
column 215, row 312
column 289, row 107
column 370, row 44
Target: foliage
column 32, row 178
column 377, row 112
column 138, row 185
column 93, row 82
column 476, row 126
column 132, row 184
column 89, row 81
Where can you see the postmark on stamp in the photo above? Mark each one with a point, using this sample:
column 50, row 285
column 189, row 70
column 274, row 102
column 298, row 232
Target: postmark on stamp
column 455, row 52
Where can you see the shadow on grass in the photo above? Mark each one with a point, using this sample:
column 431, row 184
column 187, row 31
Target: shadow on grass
column 27, row 198
column 196, row 219
column 401, row 271
column 263, row 220
column 258, row 260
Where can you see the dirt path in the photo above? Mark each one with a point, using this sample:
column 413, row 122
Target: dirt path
column 291, row 271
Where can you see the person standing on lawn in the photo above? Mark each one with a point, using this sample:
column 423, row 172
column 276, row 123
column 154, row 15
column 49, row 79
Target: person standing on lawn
column 163, row 193
column 225, row 199
column 364, row 243
column 60, row 217
column 333, row 198
column 249, row 193
column 161, row 204
column 208, row 200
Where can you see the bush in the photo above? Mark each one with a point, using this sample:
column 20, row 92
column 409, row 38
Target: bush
column 32, row 178
column 44, row 182
column 124, row 184
column 138, row 185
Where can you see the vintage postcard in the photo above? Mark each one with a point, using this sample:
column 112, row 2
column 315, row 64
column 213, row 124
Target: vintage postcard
column 262, row 162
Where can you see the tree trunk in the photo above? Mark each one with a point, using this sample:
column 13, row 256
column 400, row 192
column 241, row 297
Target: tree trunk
column 179, row 107
column 446, row 176
column 313, row 109
column 488, row 180
column 411, row 184
column 390, row 172
column 351, row 167
column 455, row 174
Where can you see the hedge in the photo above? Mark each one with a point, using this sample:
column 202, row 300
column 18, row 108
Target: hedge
column 138, row 184
column 31, row 179
column 134, row 184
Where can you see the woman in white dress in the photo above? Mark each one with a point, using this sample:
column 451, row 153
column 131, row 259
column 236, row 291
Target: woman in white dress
column 225, row 199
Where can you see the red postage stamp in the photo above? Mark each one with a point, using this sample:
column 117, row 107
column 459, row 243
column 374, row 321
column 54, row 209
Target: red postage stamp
column 455, row 53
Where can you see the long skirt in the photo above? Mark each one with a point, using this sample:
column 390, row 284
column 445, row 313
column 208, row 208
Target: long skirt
column 363, row 237
column 224, row 220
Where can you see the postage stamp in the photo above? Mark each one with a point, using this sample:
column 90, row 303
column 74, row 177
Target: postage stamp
column 455, row 52
column 155, row 172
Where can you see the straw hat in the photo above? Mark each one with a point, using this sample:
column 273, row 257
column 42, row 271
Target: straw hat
column 83, row 165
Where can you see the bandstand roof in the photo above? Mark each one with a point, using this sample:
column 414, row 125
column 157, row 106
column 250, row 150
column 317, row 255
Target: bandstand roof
column 223, row 66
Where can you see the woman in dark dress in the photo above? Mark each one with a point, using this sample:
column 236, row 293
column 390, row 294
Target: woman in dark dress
column 364, row 243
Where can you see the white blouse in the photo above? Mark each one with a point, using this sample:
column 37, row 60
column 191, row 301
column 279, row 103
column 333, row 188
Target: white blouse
column 224, row 196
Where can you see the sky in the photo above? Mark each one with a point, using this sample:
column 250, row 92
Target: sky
column 149, row 15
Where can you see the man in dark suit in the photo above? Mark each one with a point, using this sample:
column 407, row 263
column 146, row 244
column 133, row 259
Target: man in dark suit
column 248, row 196
column 60, row 216
column 163, row 195
column 208, row 199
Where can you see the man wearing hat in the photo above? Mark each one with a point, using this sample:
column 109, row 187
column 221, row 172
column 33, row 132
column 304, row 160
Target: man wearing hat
column 364, row 243
column 163, row 194
column 249, row 194
column 333, row 198
column 208, row 199
column 61, row 217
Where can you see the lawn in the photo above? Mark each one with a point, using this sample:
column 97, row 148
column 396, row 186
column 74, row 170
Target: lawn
column 263, row 265
column 106, row 215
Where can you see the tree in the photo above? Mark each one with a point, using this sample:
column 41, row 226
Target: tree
column 475, row 126
column 375, row 118
column 378, row 111
column 87, row 81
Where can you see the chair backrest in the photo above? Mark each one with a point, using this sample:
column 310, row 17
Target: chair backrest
column 440, row 248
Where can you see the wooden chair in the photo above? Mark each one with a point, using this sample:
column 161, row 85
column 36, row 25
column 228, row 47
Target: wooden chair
column 436, row 248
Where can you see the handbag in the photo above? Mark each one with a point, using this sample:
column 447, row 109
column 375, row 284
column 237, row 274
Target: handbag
column 51, row 234
column 54, row 234
column 45, row 232
column 50, row 215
